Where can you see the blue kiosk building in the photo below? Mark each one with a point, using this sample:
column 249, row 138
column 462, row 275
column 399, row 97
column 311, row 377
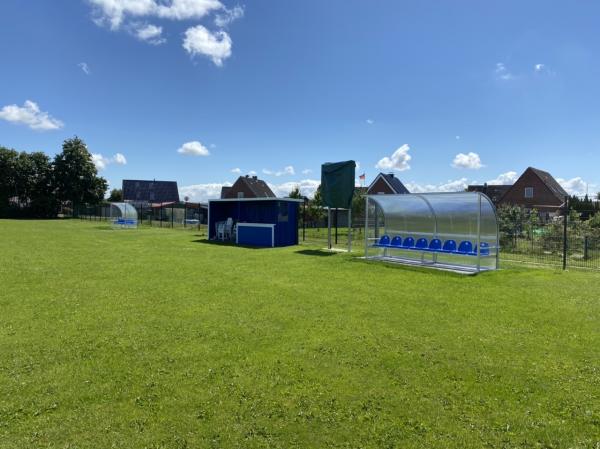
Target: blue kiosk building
column 267, row 222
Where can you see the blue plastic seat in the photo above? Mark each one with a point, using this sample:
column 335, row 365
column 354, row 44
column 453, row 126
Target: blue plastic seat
column 408, row 242
column 383, row 241
column 449, row 246
column 396, row 241
column 466, row 247
column 485, row 248
column 435, row 245
column 421, row 244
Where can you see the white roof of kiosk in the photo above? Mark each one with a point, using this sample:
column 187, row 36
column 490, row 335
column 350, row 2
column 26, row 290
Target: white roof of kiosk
column 446, row 215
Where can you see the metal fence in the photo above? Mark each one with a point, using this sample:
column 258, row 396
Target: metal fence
column 573, row 242
column 176, row 216
column 560, row 243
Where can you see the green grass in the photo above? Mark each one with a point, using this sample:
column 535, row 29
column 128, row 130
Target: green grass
column 154, row 338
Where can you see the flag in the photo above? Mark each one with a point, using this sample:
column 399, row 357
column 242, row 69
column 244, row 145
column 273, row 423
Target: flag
column 362, row 177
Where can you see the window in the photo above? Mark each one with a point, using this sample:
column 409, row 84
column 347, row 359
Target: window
column 528, row 192
column 283, row 212
column 240, row 194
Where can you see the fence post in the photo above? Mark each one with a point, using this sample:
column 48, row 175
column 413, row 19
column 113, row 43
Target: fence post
column 171, row 216
column 565, row 246
column 585, row 247
column 304, row 219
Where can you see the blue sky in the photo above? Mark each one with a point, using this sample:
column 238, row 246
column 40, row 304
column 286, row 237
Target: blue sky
column 441, row 93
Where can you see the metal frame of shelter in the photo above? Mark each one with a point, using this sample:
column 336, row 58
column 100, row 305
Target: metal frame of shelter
column 449, row 231
column 329, row 209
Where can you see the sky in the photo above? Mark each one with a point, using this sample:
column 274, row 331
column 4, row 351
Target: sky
column 442, row 94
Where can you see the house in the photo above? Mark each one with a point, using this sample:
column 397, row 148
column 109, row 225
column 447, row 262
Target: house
column 224, row 191
column 536, row 189
column 144, row 193
column 386, row 184
column 494, row 192
column 248, row 187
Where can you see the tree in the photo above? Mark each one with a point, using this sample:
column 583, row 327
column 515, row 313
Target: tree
column 8, row 164
column 116, row 196
column 77, row 179
column 38, row 188
column 358, row 204
column 295, row 193
column 315, row 210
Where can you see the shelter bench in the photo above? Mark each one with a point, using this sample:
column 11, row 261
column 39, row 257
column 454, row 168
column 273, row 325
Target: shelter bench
column 465, row 248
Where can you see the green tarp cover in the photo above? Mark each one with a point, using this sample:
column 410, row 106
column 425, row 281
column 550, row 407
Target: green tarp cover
column 337, row 184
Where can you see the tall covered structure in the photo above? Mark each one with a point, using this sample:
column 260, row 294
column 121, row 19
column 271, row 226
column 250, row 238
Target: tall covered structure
column 453, row 231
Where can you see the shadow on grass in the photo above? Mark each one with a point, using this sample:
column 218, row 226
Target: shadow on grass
column 316, row 252
column 227, row 244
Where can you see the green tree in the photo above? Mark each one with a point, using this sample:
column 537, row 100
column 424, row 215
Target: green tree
column 8, row 164
column 295, row 193
column 38, row 189
column 77, row 179
column 116, row 196
column 315, row 210
column 358, row 205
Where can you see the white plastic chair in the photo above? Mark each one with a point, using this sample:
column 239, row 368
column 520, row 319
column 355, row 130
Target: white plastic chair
column 221, row 230
column 228, row 227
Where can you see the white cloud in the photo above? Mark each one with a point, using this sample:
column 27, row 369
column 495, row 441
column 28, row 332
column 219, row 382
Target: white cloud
column 203, row 192
column 576, row 186
column 252, row 173
column 370, row 121
column 288, row 170
column 457, row 137
column 397, row 161
column 149, row 33
column 101, row 162
column 307, row 187
column 543, row 69
column 119, row 159
column 229, row 15
column 200, row 41
column 505, row 178
column 29, row 114
column 457, row 185
column 306, row 171
column 114, row 12
column 502, row 72
column 193, row 148
column 236, row 170
column 85, row 68
column 471, row 161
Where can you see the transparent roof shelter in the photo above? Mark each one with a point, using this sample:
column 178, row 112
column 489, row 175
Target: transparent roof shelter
column 455, row 231
column 123, row 215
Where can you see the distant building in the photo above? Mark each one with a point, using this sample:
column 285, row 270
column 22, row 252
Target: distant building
column 386, row 184
column 495, row 192
column 224, row 191
column 144, row 193
column 247, row 187
column 536, row 189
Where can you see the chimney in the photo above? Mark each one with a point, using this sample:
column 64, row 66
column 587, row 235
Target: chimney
column 255, row 177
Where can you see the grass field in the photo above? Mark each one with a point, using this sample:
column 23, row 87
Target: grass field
column 155, row 338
